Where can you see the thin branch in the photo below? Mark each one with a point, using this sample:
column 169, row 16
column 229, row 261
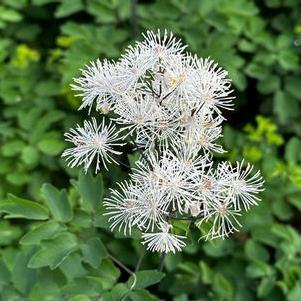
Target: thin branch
column 168, row 94
column 139, row 262
column 150, row 86
column 121, row 163
column 121, row 265
column 133, row 17
column 139, row 149
column 161, row 264
column 185, row 218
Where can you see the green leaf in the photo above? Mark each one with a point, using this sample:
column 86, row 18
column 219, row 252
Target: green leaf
column 51, row 146
column 282, row 209
column 288, row 59
column 30, row 155
column 295, row 293
column 18, row 178
column 8, row 232
column 246, row 46
column 295, row 201
column 43, row 123
column 181, row 225
column 88, row 285
column 9, row 15
column 48, row 88
column 109, row 272
column 292, row 85
column 241, row 8
column 133, row 158
column 4, row 273
column 293, row 150
column 145, row 279
column 20, row 208
column 91, row 190
column 15, row 3
column 256, row 71
column 255, row 251
column 93, row 252
column 23, row 278
column 12, row 148
column 172, row 261
column 67, row 8
column 119, row 291
column 44, row 231
column 269, row 84
column 142, row 295
column 284, row 231
column 58, row 203
column 252, row 153
column 265, row 286
column 223, row 287
column 218, row 248
column 80, row 297
column 285, row 106
column 73, row 267
column 206, row 273
column 9, row 257
column 54, row 252
column 48, row 285
column 82, row 219
column 43, row 2
column 259, row 269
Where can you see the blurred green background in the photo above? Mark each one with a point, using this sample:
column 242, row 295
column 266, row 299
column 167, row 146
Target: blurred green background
column 64, row 254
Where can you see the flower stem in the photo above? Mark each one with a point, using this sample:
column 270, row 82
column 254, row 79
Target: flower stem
column 185, row 218
column 133, row 17
column 139, row 149
column 161, row 264
column 139, row 262
column 121, row 163
column 121, row 265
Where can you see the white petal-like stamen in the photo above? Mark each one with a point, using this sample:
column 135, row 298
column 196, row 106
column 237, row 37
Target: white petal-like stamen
column 242, row 184
column 223, row 218
column 163, row 242
column 92, row 141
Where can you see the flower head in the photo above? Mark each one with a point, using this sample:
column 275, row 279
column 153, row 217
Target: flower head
column 169, row 104
column 241, row 183
column 223, row 218
column 92, row 141
column 163, row 241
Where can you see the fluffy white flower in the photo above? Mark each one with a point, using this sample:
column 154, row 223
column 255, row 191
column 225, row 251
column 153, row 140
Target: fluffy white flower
column 138, row 114
column 203, row 138
column 168, row 174
column 206, row 187
column 99, row 83
column 163, row 242
column 136, row 205
column 242, row 185
column 223, row 219
column 170, row 104
column 91, row 142
column 212, row 86
column 160, row 45
column 122, row 206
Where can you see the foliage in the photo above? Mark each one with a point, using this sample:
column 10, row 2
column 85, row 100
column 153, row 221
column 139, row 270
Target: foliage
column 54, row 242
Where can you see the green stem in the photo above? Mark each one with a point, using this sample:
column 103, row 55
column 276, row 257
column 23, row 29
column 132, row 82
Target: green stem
column 139, row 149
column 133, row 17
column 121, row 265
column 139, row 262
column 161, row 264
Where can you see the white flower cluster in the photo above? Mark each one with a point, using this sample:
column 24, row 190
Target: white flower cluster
column 169, row 104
